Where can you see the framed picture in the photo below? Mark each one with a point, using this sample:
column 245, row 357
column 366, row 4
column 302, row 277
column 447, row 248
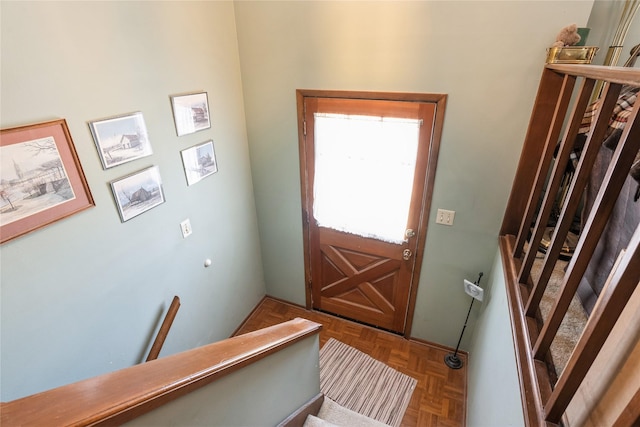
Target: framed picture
column 190, row 112
column 41, row 179
column 121, row 139
column 137, row 193
column 199, row 162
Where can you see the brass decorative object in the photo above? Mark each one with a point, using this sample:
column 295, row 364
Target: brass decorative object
column 628, row 13
column 571, row 54
column 615, row 49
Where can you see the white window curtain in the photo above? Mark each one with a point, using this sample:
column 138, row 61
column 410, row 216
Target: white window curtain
column 364, row 168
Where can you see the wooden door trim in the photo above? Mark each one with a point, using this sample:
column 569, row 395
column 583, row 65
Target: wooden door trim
column 440, row 101
column 302, row 153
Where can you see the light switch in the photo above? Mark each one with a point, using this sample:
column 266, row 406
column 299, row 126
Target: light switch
column 445, row 217
column 185, row 226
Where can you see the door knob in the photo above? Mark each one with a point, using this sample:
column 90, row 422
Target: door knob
column 406, row 254
column 409, row 233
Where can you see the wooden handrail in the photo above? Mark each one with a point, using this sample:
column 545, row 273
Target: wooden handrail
column 534, row 192
column 532, row 401
column 121, row 396
column 620, row 75
column 164, row 329
column 540, row 122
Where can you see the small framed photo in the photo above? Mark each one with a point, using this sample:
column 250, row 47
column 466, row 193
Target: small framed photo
column 190, row 112
column 199, row 162
column 121, row 139
column 137, row 193
column 41, row 179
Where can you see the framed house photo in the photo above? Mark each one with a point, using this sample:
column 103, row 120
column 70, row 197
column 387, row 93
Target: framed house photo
column 121, row 139
column 41, row 179
column 190, row 112
column 137, row 193
column 199, row 162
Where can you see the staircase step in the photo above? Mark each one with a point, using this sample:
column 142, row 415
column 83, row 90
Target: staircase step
column 313, row 421
column 333, row 414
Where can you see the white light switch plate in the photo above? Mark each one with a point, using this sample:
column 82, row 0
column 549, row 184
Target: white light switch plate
column 445, row 217
column 185, row 226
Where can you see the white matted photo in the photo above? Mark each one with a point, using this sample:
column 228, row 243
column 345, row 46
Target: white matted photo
column 199, row 162
column 121, row 139
column 190, row 112
column 137, row 193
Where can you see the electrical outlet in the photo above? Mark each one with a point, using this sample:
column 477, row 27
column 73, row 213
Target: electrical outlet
column 445, row 217
column 473, row 290
column 185, row 226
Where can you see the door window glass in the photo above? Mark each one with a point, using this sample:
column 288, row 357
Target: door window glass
column 364, row 169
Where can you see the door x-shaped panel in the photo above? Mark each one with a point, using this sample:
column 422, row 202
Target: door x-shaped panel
column 357, row 282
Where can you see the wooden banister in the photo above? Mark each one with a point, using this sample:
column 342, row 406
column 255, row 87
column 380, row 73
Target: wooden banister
column 620, row 75
column 559, row 167
column 597, row 220
column 552, row 136
column 583, row 170
column 614, row 296
column 164, row 329
column 547, row 400
column 121, row 396
column 541, row 118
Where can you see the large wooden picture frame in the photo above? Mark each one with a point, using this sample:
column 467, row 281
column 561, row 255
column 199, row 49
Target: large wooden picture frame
column 41, row 179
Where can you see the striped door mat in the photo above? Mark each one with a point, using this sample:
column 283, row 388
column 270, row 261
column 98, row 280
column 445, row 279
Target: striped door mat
column 358, row 382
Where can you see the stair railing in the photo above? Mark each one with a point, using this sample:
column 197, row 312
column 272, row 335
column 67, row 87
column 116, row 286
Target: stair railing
column 117, row 397
column 164, row 329
column 562, row 99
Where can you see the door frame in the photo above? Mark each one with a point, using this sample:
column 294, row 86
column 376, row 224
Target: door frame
column 421, row 233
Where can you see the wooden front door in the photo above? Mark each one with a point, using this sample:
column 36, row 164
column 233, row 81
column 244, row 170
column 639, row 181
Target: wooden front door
column 367, row 168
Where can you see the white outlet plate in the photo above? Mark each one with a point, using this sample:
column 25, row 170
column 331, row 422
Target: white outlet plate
column 185, row 226
column 473, row 290
column 445, row 217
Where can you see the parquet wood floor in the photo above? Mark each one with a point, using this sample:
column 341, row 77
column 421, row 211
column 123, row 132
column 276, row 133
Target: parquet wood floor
column 440, row 396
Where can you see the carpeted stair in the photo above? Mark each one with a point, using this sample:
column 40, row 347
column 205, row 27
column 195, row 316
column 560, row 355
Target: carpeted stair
column 332, row 414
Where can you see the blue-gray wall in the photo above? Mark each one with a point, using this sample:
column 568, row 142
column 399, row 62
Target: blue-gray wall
column 83, row 296
column 486, row 55
column 493, row 390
